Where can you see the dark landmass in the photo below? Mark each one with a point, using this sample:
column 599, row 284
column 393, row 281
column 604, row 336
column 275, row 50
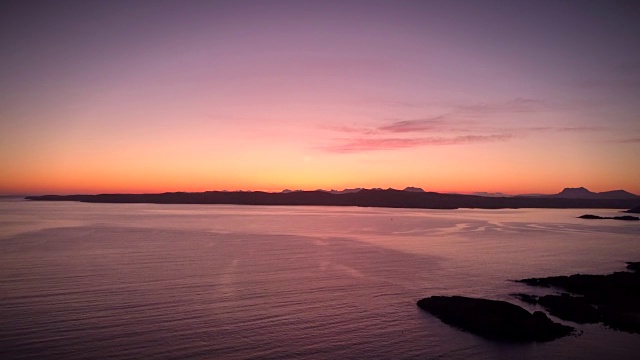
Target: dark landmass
column 490, row 194
column 626, row 217
column 589, row 216
column 613, row 300
column 414, row 189
column 368, row 198
column 494, row 320
column 633, row 266
column 635, row 210
column 565, row 306
column 346, row 191
column 582, row 193
column 596, row 217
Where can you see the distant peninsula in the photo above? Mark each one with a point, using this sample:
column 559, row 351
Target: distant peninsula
column 389, row 198
column 635, row 210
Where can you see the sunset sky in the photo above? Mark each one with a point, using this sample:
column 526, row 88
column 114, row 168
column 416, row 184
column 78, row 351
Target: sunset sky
column 450, row 96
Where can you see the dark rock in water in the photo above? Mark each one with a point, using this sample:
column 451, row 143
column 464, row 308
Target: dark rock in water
column 635, row 210
column 529, row 299
column 589, row 216
column 625, row 217
column 613, row 299
column 495, row 320
column 566, row 307
column 633, row 266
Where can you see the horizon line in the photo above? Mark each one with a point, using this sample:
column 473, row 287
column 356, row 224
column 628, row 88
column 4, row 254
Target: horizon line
column 287, row 190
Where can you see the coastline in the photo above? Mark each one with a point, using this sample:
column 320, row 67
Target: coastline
column 364, row 198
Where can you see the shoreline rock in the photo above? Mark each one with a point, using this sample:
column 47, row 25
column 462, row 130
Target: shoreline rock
column 613, row 299
column 494, row 320
column 596, row 217
column 633, row 266
column 635, row 210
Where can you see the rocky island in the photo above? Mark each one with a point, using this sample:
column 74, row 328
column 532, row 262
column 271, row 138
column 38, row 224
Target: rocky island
column 494, row 320
column 596, row 217
column 613, row 300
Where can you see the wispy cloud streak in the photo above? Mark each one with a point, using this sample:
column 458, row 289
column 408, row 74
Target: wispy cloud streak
column 419, row 125
column 581, row 128
column 566, row 128
column 461, row 125
column 517, row 105
column 629, row 140
column 373, row 144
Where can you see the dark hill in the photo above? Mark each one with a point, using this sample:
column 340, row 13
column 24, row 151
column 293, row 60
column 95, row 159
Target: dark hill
column 575, row 193
column 617, row 194
column 582, row 193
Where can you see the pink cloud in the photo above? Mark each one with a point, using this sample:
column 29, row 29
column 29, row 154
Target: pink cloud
column 581, row 128
column 629, row 140
column 438, row 124
column 516, row 105
column 372, row 144
column 350, row 129
column 435, row 123
column 567, row 128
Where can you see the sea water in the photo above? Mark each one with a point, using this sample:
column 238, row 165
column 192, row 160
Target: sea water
column 131, row 281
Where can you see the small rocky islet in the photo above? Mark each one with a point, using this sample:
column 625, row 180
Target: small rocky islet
column 612, row 300
column 596, row 217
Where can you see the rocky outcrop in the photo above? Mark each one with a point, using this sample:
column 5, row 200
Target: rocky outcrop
column 626, row 217
column 633, row 266
column 495, row 320
column 613, row 300
column 596, row 217
column 589, row 216
column 565, row 306
column 635, row 210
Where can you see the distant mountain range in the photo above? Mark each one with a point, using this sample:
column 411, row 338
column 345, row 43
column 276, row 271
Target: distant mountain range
column 355, row 190
column 488, row 194
column 582, row 193
column 566, row 193
column 410, row 197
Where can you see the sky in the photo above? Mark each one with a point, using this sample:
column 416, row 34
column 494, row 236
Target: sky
column 450, row 96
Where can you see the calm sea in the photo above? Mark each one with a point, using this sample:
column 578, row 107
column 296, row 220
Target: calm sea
column 132, row 281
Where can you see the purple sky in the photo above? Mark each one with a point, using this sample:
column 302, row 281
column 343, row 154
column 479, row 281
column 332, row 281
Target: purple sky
column 513, row 96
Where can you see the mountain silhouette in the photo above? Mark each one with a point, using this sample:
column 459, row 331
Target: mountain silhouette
column 389, row 198
column 413, row 189
column 582, row 193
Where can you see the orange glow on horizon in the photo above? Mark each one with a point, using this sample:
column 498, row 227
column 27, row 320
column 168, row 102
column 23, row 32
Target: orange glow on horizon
column 99, row 185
